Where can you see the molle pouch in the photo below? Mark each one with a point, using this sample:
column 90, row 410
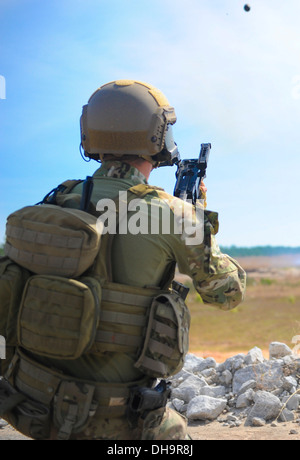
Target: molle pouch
column 29, row 417
column 12, row 281
column 74, row 404
column 167, row 337
column 52, row 240
column 58, row 317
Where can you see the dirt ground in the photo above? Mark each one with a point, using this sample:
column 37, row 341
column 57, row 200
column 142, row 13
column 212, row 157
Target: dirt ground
column 216, row 432
column 213, row 431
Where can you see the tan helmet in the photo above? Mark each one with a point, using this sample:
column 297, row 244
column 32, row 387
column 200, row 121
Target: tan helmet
column 128, row 118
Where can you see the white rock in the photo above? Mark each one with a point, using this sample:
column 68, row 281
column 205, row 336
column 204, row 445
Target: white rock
column 242, row 401
column 210, row 374
column 189, row 388
column 289, row 359
column 292, row 402
column 254, row 356
column 267, row 407
column 268, row 376
column 286, row 416
column 226, row 377
column 250, row 394
column 233, row 363
column 208, row 363
column 215, row 392
column 231, row 418
column 279, row 350
column 203, row 388
column 258, row 421
column 237, row 362
column 180, row 377
column 178, row 404
column 246, row 386
column 191, row 362
column 245, row 399
column 205, row 408
column 289, row 383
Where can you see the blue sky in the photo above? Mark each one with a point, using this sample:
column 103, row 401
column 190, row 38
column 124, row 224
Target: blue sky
column 233, row 78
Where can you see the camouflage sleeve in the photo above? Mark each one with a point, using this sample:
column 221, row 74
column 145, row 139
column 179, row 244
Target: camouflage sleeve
column 218, row 278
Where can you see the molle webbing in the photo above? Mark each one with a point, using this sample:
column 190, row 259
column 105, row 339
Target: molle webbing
column 57, row 263
column 58, row 316
column 123, row 318
column 166, row 338
column 50, row 239
column 42, row 384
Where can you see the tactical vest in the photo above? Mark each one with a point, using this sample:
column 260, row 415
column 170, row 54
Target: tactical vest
column 60, row 266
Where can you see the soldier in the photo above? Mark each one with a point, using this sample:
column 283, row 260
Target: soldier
column 126, row 125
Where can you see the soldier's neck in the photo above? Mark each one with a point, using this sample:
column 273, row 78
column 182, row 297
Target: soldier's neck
column 143, row 166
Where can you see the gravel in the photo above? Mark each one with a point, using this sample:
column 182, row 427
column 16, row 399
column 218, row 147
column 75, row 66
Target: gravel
column 245, row 389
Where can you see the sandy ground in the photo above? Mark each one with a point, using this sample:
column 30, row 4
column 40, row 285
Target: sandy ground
column 213, row 431
column 7, row 433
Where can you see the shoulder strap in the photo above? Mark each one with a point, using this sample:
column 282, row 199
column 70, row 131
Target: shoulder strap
column 142, row 190
column 68, row 185
column 65, row 187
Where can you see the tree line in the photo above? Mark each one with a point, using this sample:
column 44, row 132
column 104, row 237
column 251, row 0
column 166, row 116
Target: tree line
column 235, row 251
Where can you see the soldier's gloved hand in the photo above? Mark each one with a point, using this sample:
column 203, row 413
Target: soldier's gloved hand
column 203, row 191
column 203, row 187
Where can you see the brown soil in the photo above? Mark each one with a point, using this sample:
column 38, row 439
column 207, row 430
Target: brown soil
column 216, row 432
column 213, row 432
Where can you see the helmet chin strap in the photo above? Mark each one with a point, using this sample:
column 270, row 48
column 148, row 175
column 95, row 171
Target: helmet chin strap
column 83, row 156
column 87, row 158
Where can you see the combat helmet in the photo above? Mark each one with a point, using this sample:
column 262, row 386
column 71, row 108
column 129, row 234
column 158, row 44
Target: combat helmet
column 127, row 118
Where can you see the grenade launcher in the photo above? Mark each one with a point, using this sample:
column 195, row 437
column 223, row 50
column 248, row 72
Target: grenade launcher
column 189, row 175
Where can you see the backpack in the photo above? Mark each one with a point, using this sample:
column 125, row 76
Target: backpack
column 51, row 247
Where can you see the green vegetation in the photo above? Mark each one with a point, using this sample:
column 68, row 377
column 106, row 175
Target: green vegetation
column 266, row 281
column 235, row 251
